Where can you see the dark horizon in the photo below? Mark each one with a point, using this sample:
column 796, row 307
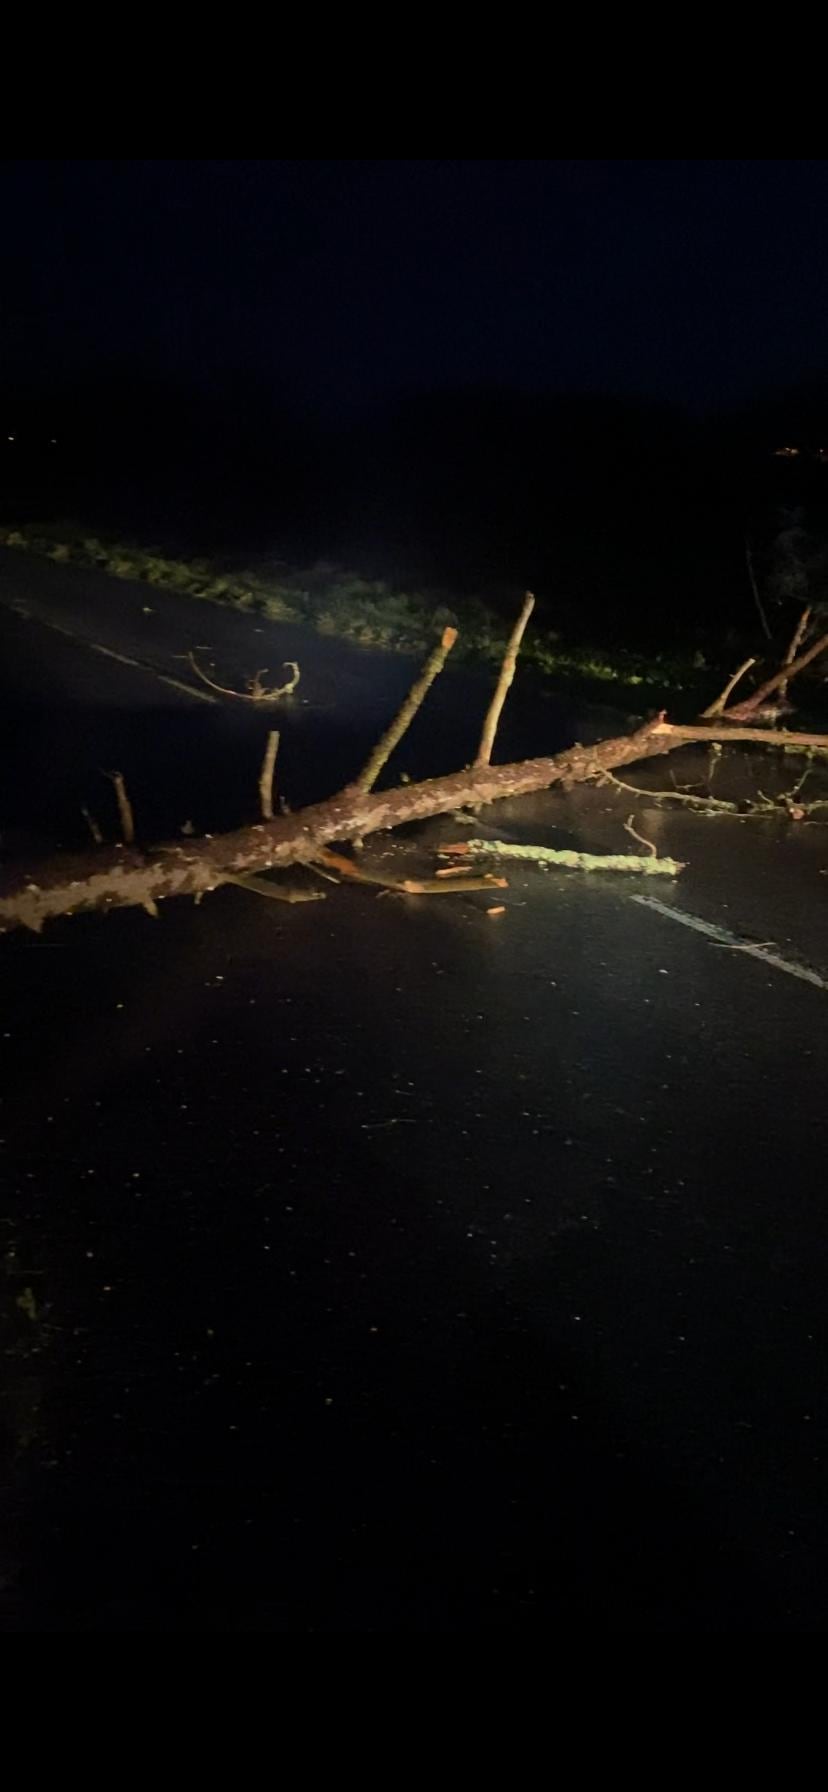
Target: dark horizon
column 337, row 287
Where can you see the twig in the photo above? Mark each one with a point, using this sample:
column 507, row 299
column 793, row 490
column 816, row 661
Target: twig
column 755, row 588
column 224, row 689
column 629, row 829
column 256, row 692
column 715, row 708
column 507, row 673
column 127, row 819
column 266, row 775
column 405, row 716
column 713, row 804
column 742, row 711
column 259, row 693
column 767, row 807
column 92, row 825
column 795, row 643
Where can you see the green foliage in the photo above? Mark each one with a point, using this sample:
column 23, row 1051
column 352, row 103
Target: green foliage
column 366, row 611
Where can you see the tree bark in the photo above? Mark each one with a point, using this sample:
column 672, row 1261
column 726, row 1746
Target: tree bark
column 125, row 877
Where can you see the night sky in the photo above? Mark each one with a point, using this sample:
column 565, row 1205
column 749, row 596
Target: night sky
column 341, row 284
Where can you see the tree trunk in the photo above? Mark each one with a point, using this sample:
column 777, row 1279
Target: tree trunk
column 125, row 877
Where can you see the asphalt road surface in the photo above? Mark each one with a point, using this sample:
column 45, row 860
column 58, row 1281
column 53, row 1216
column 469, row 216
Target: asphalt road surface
column 378, row 1264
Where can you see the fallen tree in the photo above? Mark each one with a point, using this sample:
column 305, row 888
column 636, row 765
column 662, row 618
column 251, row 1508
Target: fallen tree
column 126, row 876
column 122, row 876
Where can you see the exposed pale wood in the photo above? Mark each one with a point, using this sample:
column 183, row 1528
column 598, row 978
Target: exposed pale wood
column 675, row 733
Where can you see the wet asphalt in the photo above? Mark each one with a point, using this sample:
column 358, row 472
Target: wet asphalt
column 380, row 1264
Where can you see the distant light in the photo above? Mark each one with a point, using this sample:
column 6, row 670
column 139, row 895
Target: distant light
column 53, row 441
column 786, row 453
column 11, row 438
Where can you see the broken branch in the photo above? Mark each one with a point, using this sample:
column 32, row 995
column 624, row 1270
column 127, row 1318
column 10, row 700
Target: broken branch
column 266, row 774
column 716, row 707
column 651, row 866
column 256, row 692
column 507, row 673
column 794, row 645
column 629, row 829
column 755, row 589
column 711, row 804
column 92, row 824
column 125, row 815
column 405, row 716
column 742, row 711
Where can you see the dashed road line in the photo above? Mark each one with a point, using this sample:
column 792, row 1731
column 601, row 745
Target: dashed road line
column 721, row 936
column 22, row 610
column 141, row 666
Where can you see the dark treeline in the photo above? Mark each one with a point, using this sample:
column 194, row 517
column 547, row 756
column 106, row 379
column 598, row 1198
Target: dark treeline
column 623, row 516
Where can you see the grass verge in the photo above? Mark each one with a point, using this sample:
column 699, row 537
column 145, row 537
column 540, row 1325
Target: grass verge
column 366, row 611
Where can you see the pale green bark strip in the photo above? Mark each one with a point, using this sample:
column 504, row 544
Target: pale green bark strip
column 647, row 865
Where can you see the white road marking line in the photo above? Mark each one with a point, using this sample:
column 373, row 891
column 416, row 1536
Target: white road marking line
column 20, row 609
column 723, row 937
column 140, row 666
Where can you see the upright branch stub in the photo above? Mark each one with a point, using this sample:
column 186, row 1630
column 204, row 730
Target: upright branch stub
column 507, row 673
column 742, row 712
column 92, row 824
column 716, row 708
column 751, row 573
column 405, row 716
column 125, row 815
column 266, row 775
column 794, row 645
